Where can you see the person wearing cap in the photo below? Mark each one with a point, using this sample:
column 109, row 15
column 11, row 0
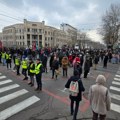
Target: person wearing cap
column 38, row 74
column 75, row 99
column 99, row 97
column 31, row 72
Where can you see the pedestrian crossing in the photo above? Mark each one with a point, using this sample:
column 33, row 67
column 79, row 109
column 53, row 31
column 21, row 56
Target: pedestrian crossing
column 8, row 85
column 115, row 93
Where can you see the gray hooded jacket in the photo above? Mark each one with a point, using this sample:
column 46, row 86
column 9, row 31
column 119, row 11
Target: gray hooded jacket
column 99, row 96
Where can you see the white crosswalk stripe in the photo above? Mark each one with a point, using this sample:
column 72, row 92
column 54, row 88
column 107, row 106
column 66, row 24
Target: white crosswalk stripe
column 115, row 96
column 1, row 77
column 12, row 96
column 115, row 88
column 117, row 75
column 115, row 107
column 117, row 79
column 8, row 88
column 116, row 83
column 5, row 81
column 18, row 107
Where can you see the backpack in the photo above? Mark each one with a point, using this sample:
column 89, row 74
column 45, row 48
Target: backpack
column 74, row 88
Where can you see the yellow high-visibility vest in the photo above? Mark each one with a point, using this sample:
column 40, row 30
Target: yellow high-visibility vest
column 24, row 64
column 37, row 68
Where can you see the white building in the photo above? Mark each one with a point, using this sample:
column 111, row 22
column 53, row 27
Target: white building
column 31, row 33
column 1, row 36
column 71, row 32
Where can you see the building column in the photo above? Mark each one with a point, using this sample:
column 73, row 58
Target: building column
column 30, row 40
column 38, row 40
column 43, row 40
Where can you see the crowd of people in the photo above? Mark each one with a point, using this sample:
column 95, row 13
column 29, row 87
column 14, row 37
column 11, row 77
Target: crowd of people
column 35, row 63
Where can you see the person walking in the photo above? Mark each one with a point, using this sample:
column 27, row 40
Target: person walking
column 95, row 61
column 65, row 65
column 86, row 67
column 38, row 74
column 75, row 99
column 99, row 97
column 44, row 62
column 78, row 67
column 105, row 60
column 55, row 68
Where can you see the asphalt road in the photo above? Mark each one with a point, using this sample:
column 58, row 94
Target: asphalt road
column 19, row 101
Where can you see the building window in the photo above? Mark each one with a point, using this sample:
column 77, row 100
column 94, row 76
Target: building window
column 45, row 32
column 40, row 30
column 28, row 30
column 45, row 38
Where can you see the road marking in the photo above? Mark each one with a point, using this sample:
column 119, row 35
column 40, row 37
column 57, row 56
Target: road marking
column 1, row 77
column 117, row 75
column 18, row 107
column 64, row 91
column 8, row 87
column 114, row 96
column 117, row 79
column 12, row 96
column 115, row 88
column 118, row 72
column 116, row 83
column 115, row 107
column 5, row 81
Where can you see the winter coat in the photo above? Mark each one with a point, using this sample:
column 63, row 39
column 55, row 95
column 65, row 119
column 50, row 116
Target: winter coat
column 81, row 88
column 87, row 65
column 65, row 62
column 79, row 68
column 55, row 64
column 96, row 59
column 99, row 96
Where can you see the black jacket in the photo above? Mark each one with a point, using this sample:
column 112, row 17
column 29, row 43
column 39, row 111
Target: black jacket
column 81, row 88
column 55, row 65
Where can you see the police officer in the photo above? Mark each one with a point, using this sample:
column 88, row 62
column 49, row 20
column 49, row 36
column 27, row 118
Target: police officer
column 38, row 74
column 24, row 68
column 17, row 64
column 8, row 60
column 31, row 72
column 3, row 58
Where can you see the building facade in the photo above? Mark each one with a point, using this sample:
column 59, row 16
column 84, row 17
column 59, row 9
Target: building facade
column 71, row 33
column 29, row 34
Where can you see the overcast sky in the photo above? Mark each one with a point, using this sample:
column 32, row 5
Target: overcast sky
column 82, row 14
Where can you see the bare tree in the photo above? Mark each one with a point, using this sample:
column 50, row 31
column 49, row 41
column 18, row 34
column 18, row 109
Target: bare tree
column 111, row 24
